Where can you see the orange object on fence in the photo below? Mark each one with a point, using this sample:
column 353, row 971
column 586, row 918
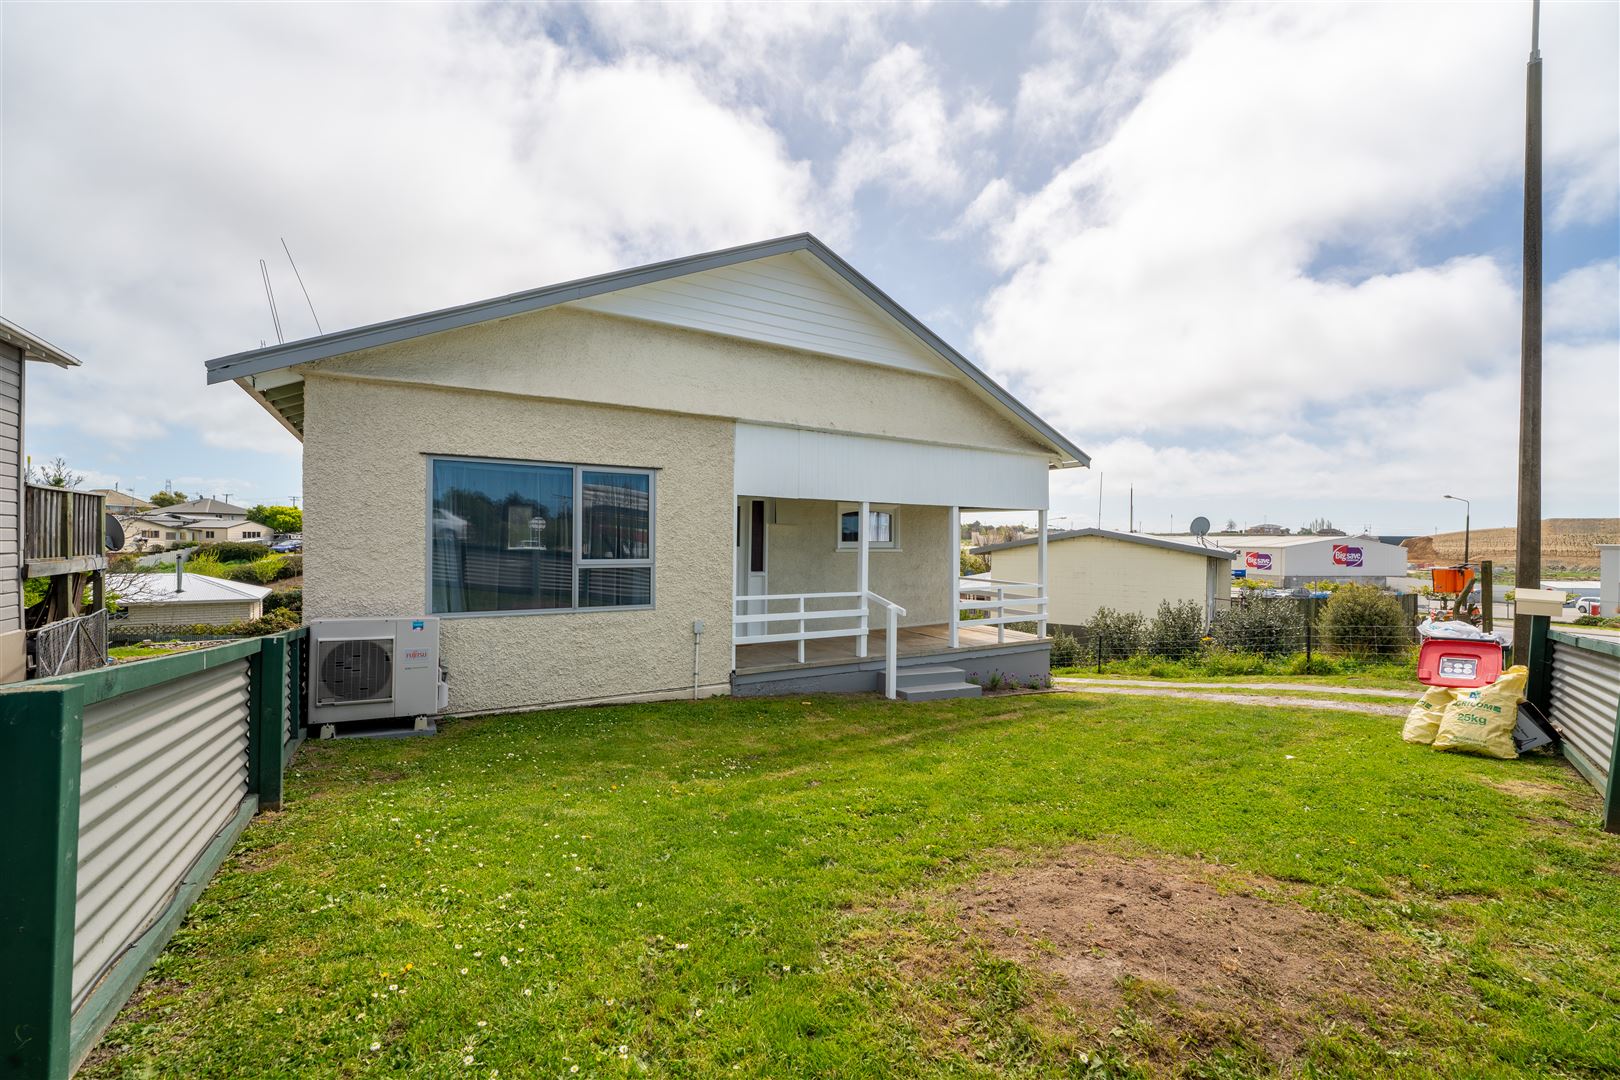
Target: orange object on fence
column 1452, row 580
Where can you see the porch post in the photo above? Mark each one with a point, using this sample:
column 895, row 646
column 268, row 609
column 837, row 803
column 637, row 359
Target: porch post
column 863, row 584
column 736, row 549
column 1040, row 574
column 956, row 571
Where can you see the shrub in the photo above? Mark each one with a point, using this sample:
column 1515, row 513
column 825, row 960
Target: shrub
column 291, row 599
column 1121, row 633
column 1364, row 621
column 973, row 564
column 233, row 551
column 207, row 566
column 273, row 622
column 267, row 569
column 291, row 566
column 1265, row 627
column 1067, row 650
column 1178, row 630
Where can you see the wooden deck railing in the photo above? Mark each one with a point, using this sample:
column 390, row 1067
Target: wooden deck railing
column 64, row 531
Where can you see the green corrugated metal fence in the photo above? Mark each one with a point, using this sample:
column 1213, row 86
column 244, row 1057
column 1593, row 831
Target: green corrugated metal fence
column 123, row 790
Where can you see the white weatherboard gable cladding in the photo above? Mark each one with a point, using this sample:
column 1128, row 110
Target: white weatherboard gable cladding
column 790, row 300
column 795, row 463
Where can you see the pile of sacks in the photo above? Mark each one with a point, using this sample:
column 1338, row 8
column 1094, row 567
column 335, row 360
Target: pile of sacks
column 1478, row 721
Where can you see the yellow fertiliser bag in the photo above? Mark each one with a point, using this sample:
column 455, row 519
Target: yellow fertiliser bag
column 1423, row 722
column 1481, row 721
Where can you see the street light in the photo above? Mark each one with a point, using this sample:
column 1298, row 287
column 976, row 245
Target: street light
column 1468, row 510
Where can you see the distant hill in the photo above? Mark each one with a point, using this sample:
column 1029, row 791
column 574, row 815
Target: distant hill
column 1566, row 543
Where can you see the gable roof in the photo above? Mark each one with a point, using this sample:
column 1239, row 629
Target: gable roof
column 263, row 372
column 33, row 346
column 210, row 506
column 1110, row 534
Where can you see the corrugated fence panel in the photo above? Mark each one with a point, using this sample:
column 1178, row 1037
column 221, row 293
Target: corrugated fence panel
column 165, row 768
column 1585, row 697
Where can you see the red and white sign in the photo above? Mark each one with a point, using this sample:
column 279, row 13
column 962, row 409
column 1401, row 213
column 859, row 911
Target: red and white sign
column 1257, row 560
column 1346, row 555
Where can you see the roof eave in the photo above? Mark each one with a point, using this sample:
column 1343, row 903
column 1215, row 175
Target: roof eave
column 34, row 347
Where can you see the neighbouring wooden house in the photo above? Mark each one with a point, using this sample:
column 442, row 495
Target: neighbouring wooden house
column 1100, row 568
column 738, row 472
column 45, row 532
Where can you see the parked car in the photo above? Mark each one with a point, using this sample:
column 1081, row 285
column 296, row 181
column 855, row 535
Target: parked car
column 1588, row 605
column 288, row 547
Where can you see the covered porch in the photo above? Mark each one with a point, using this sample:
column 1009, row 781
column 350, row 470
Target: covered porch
column 847, row 564
column 928, row 640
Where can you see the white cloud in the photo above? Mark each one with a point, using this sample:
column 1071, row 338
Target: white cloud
column 1172, row 297
column 1584, row 303
column 908, row 134
column 414, row 157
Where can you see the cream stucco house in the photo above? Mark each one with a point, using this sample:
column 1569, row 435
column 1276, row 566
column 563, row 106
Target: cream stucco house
column 651, row 483
column 1102, row 568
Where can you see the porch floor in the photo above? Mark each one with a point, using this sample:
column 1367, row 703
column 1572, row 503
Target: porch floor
column 931, row 639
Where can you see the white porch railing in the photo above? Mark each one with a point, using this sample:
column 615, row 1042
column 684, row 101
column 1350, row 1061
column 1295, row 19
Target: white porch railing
column 1000, row 602
column 741, row 622
column 891, row 640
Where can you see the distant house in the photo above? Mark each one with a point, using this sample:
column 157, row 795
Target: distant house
column 183, row 600
column 209, row 507
column 725, row 473
column 45, row 532
column 121, row 503
column 159, row 528
column 1100, row 568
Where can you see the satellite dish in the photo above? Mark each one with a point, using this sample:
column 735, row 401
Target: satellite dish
column 115, row 534
column 1199, row 526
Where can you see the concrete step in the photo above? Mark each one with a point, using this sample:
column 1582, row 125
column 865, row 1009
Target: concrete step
column 939, row 691
column 921, row 675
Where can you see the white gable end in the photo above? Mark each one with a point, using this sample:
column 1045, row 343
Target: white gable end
column 789, row 300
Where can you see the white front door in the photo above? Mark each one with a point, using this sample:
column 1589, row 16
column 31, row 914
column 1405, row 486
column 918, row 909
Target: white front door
column 751, row 562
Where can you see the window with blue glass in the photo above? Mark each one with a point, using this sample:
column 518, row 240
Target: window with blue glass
column 512, row 536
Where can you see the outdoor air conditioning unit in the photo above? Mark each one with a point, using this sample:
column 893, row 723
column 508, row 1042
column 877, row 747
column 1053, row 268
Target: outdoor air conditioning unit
column 375, row 669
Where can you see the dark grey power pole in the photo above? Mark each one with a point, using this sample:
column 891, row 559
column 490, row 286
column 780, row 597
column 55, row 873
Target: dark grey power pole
column 1527, row 574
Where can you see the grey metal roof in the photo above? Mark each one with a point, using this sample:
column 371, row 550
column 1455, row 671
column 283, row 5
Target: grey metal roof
column 33, row 346
column 338, row 343
column 1110, row 534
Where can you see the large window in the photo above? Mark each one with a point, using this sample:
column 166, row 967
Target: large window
column 506, row 537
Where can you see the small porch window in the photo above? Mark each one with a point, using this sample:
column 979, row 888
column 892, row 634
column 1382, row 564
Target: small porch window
column 883, row 528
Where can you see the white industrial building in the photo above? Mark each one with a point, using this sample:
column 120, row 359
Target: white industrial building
column 1290, row 561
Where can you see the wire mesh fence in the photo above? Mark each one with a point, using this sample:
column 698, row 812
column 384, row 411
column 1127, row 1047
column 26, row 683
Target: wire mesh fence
column 77, row 644
column 1308, row 632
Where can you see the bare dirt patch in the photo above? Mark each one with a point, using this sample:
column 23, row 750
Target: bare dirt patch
column 1209, row 951
column 1535, row 789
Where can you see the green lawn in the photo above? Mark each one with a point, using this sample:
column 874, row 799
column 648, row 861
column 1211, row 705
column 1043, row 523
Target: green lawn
column 765, row 888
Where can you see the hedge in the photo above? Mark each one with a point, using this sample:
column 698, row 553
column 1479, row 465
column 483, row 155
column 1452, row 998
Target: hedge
column 272, row 623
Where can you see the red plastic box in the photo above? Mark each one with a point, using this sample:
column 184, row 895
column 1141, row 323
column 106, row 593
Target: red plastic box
column 1459, row 663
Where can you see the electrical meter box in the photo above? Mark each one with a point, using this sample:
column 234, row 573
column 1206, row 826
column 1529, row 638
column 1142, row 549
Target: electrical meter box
column 1538, row 601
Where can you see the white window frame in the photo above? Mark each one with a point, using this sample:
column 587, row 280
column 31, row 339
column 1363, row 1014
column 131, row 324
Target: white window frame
column 579, row 562
column 891, row 544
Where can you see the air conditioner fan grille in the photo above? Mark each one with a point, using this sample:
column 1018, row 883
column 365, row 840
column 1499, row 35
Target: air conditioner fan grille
column 356, row 671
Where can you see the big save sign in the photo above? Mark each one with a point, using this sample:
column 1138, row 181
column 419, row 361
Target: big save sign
column 1346, row 555
column 1257, row 560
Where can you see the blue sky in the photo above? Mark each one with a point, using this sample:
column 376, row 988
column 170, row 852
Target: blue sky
column 1260, row 260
